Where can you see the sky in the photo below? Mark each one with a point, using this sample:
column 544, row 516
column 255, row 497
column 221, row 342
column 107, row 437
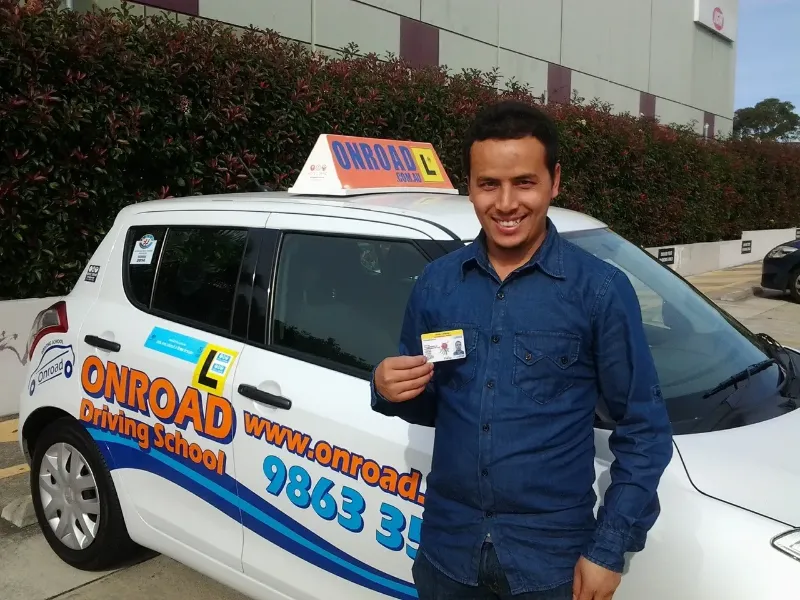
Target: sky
column 768, row 55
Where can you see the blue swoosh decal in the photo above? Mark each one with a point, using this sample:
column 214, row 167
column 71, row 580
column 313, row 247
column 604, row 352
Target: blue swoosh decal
column 255, row 513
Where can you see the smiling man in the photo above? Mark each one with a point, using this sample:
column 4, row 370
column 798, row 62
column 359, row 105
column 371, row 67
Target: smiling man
column 548, row 331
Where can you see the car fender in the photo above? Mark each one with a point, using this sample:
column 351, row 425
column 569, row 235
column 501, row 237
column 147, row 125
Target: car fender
column 702, row 548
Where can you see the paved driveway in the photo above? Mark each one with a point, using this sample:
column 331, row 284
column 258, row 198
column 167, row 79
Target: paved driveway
column 737, row 291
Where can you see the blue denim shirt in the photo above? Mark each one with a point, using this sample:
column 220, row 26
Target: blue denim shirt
column 513, row 455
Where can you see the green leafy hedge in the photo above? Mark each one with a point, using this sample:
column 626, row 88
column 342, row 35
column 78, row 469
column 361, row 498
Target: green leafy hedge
column 101, row 110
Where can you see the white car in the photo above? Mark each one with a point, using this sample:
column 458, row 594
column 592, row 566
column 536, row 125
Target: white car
column 218, row 406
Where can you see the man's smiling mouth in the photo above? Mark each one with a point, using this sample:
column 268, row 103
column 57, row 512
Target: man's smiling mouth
column 508, row 223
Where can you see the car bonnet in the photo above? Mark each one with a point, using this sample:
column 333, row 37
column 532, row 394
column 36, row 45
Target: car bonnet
column 756, row 467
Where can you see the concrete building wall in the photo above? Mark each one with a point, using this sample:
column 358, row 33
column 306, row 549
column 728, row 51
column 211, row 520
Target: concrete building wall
column 670, row 59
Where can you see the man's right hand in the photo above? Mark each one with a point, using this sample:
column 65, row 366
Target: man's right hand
column 401, row 378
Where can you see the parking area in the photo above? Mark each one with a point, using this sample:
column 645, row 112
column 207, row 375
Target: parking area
column 737, row 291
column 30, row 571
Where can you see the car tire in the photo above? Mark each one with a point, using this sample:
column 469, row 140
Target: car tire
column 794, row 285
column 69, row 475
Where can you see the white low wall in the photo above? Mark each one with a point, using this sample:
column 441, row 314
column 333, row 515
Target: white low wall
column 693, row 259
column 16, row 319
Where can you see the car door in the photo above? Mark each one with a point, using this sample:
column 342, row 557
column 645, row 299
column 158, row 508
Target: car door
column 331, row 492
column 159, row 351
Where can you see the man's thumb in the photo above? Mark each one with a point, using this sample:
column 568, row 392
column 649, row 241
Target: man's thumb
column 576, row 585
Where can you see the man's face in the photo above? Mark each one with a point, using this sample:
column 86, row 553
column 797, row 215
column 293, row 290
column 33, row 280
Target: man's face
column 511, row 189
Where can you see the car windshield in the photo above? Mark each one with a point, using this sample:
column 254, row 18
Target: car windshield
column 694, row 344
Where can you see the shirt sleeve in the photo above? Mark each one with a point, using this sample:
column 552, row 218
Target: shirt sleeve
column 422, row 409
column 642, row 439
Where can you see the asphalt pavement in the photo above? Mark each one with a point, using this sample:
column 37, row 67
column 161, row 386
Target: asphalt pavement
column 30, row 571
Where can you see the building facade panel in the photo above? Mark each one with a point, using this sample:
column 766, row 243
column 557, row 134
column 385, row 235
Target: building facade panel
column 583, row 41
column 559, row 83
column 622, row 99
column 531, row 27
column 476, row 19
column 406, row 8
column 668, row 112
column 647, row 105
column 724, row 126
column 713, row 72
column 294, row 22
column 609, row 39
column 136, row 9
column 419, row 43
column 672, row 49
column 627, row 27
column 340, row 22
column 458, row 52
column 524, row 69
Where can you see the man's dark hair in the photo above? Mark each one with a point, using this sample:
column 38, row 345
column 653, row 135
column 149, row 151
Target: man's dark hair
column 512, row 120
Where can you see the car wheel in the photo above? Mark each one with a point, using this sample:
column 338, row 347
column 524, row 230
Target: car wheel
column 794, row 285
column 75, row 500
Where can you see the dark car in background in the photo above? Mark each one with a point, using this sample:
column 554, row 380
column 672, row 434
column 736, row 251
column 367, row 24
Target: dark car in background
column 780, row 270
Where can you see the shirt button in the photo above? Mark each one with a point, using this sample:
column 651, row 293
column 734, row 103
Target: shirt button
column 486, row 427
column 564, row 360
column 485, row 472
column 489, row 514
column 528, row 356
column 495, row 339
column 500, row 295
column 490, row 384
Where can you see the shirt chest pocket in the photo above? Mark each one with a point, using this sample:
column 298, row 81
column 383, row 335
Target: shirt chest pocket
column 457, row 373
column 544, row 363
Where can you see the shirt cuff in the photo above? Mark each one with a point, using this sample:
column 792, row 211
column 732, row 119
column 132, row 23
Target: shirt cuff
column 377, row 398
column 607, row 549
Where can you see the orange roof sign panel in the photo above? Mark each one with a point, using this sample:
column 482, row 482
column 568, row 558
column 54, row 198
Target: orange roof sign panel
column 342, row 165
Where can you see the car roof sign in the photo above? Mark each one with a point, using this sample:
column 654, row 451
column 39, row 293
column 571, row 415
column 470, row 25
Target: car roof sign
column 341, row 165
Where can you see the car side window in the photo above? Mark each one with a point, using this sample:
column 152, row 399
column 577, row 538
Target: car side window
column 342, row 299
column 198, row 274
column 188, row 273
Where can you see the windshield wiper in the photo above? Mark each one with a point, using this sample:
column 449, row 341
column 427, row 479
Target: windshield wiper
column 774, row 349
column 741, row 376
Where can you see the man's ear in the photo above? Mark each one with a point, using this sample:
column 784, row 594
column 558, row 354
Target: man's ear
column 556, row 181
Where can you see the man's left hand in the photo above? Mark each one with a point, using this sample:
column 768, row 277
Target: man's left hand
column 593, row 582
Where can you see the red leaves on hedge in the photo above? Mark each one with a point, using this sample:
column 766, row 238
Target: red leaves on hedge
column 101, row 110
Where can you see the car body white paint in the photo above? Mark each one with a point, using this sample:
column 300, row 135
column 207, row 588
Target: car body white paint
column 704, row 545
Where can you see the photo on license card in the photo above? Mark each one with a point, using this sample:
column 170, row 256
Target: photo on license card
column 443, row 345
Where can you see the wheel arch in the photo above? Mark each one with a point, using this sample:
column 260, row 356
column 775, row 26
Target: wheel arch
column 43, row 417
column 36, row 422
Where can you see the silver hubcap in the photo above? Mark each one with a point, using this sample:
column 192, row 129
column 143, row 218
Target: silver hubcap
column 69, row 496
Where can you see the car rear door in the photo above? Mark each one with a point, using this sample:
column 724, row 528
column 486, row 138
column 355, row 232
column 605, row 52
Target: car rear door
column 157, row 353
column 331, row 492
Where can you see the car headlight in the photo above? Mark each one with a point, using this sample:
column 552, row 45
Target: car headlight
column 781, row 251
column 788, row 543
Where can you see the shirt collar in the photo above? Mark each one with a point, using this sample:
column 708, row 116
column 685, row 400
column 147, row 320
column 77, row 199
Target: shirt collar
column 549, row 257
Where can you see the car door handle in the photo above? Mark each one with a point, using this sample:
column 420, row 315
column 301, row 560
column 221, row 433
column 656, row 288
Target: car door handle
column 252, row 392
column 99, row 342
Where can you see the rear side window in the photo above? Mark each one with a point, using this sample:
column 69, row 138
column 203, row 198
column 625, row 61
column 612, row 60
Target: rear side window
column 191, row 275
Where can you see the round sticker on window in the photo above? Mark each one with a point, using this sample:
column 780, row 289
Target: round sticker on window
column 146, row 241
column 143, row 251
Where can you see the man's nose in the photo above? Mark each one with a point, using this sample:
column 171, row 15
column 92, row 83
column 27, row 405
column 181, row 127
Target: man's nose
column 506, row 201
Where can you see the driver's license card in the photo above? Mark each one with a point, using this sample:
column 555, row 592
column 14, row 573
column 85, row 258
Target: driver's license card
column 443, row 345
